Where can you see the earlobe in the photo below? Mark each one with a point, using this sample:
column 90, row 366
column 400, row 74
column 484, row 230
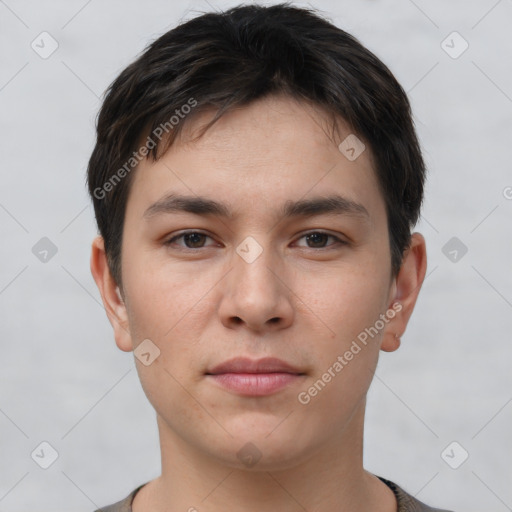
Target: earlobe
column 110, row 295
column 406, row 290
column 390, row 342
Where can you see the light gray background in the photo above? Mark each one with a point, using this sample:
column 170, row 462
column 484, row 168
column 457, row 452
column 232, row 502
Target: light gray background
column 64, row 381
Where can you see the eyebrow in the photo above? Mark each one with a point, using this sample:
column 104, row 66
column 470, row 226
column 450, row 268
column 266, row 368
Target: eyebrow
column 333, row 204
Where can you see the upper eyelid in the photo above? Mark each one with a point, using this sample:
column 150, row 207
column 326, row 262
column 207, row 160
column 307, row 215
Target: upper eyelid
column 189, row 232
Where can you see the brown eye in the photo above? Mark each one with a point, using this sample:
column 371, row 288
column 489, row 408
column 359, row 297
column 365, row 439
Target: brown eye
column 318, row 240
column 191, row 239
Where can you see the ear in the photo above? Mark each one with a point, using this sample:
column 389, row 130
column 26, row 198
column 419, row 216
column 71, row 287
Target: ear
column 405, row 290
column 110, row 295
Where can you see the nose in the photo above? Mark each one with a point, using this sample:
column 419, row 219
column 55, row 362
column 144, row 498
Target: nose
column 256, row 294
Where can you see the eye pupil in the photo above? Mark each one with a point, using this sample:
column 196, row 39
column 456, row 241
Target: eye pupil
column 193, row 237
column 317, row 238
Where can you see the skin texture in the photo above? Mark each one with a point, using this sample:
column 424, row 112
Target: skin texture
column 301, row 301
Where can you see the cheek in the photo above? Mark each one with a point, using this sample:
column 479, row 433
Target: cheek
column 344, row 301
column 171, row 309
column 345, row 359
column 164, row 298
column 337, row 390
column 166, row 308
column 167, row 390
column 345, row 307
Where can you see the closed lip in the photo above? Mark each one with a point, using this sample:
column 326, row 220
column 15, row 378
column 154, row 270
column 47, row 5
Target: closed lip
column 247, row 365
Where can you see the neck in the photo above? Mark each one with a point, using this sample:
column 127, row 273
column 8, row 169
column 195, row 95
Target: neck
column 330, row 477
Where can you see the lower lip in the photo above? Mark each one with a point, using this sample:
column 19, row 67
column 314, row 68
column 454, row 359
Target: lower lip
column 255, row 384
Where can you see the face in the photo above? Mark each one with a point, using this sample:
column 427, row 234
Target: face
column 260, row 267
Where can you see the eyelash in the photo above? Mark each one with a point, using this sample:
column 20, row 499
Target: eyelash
column 338, row 241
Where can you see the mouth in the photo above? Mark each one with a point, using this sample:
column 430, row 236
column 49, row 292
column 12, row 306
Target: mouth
column 249, row 377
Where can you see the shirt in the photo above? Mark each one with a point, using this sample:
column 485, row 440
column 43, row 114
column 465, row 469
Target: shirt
column 406, row 502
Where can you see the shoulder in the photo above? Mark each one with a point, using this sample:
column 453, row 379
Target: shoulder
column 406, row 502
column 125, row 505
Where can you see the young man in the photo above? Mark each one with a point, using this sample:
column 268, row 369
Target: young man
column 255, row 181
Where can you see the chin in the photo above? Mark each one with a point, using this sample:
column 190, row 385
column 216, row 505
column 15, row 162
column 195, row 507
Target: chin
column 256, row 450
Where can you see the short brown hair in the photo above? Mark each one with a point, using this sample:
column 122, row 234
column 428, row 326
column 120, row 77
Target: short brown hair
column 232, row 58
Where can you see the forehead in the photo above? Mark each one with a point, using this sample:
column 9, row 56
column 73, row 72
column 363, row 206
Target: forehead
column 259, row 157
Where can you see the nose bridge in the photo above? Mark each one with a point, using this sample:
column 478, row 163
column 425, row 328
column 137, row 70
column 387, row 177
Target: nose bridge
column 256, row 294
column 253, row 263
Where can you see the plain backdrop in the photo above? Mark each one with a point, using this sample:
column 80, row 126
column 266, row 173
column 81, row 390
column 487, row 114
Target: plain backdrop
column 63, row 380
